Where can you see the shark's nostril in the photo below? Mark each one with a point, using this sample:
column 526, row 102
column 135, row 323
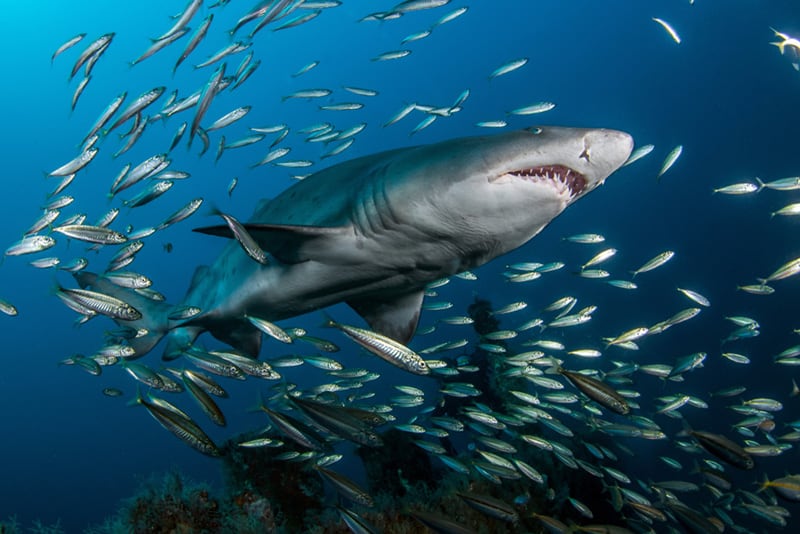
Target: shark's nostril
column 575, row 181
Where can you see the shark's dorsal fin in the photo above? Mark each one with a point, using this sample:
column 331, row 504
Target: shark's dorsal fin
column 394, row 317
column 287, row 242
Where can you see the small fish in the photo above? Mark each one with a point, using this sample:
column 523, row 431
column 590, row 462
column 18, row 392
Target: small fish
column 183, row 213
column 509, row 66
column 757, row 289
column 490, row 506
column 598, row 391
column 305, row 69
column 128, row 279
column 630, row 335
column 510, row 308
column 415, row 36
column 491, row 124
column 408, row 6
column 229, row 118
column 72, row 167
column 723, row 448
column 7, row 308
column 91, row 53
column 393, row 54
column 789, row 210
column 743, row 188
column 308, row 93
column 638, row 154
column 384, row 347
column 585, row 239
column 137, row 106
column 181, row 426
column 206, row 403
column 669, row 29
column 346, row 487
column 91, row 234
column 361, row 91
column 246, row 241
column 694, row 296
column 599, row 257
column 400, row 114
column 147, row 195
column 538, row 107
column 293, row 22
column 228, row 50
column 99, row 303
column 272, row 156
column 670, row 160
column 450, row 16
column 790, row 268
column 271, row 329
column 655, row 262
column 622, row 284
column 30, row 245
column 343, row 106
column 69, row 43
column 784, row 184
column 198, row 36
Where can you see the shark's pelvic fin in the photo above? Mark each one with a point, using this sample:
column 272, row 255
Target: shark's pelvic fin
column 286, row 242
column 395, row 317
column 243, row 337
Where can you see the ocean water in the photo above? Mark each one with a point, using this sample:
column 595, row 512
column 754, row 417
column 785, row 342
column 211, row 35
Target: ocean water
column 71, row 454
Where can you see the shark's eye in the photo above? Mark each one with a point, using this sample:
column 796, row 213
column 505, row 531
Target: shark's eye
column 534, row 130
column 575, row 181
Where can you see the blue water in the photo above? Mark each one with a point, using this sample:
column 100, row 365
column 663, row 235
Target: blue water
column 70, row 454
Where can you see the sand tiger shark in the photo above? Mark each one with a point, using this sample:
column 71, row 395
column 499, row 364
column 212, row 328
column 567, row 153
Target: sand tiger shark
column 373, row 231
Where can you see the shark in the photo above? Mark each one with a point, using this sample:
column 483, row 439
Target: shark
column 374, row 231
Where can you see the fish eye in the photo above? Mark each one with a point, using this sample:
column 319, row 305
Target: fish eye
column 534, row 130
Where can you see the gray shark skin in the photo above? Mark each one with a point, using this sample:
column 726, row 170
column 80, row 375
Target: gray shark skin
column 375, row 230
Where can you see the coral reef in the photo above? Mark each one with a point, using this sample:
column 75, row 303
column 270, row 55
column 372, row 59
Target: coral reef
column 291, row 489
column 12, row 526
column 396, row 466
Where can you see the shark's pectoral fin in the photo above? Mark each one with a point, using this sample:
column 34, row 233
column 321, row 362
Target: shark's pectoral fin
column 243, row 337
column 286, row 242
column 396, row 317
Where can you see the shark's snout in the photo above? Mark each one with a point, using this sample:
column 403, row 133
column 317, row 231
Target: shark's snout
column 606, row 149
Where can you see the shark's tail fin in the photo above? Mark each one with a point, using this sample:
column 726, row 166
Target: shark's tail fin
column 153, row 323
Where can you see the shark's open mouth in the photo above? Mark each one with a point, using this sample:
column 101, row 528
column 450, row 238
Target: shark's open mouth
column 575, row 181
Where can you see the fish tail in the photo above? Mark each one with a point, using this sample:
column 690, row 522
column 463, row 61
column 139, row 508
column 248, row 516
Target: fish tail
column 687, row 429
column 760, row 184
column 327, row 321
column 138, row 399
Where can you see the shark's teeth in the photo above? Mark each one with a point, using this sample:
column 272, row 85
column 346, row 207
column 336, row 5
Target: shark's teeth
column 574, row 180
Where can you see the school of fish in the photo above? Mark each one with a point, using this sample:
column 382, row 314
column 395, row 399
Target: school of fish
column 569, row 400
